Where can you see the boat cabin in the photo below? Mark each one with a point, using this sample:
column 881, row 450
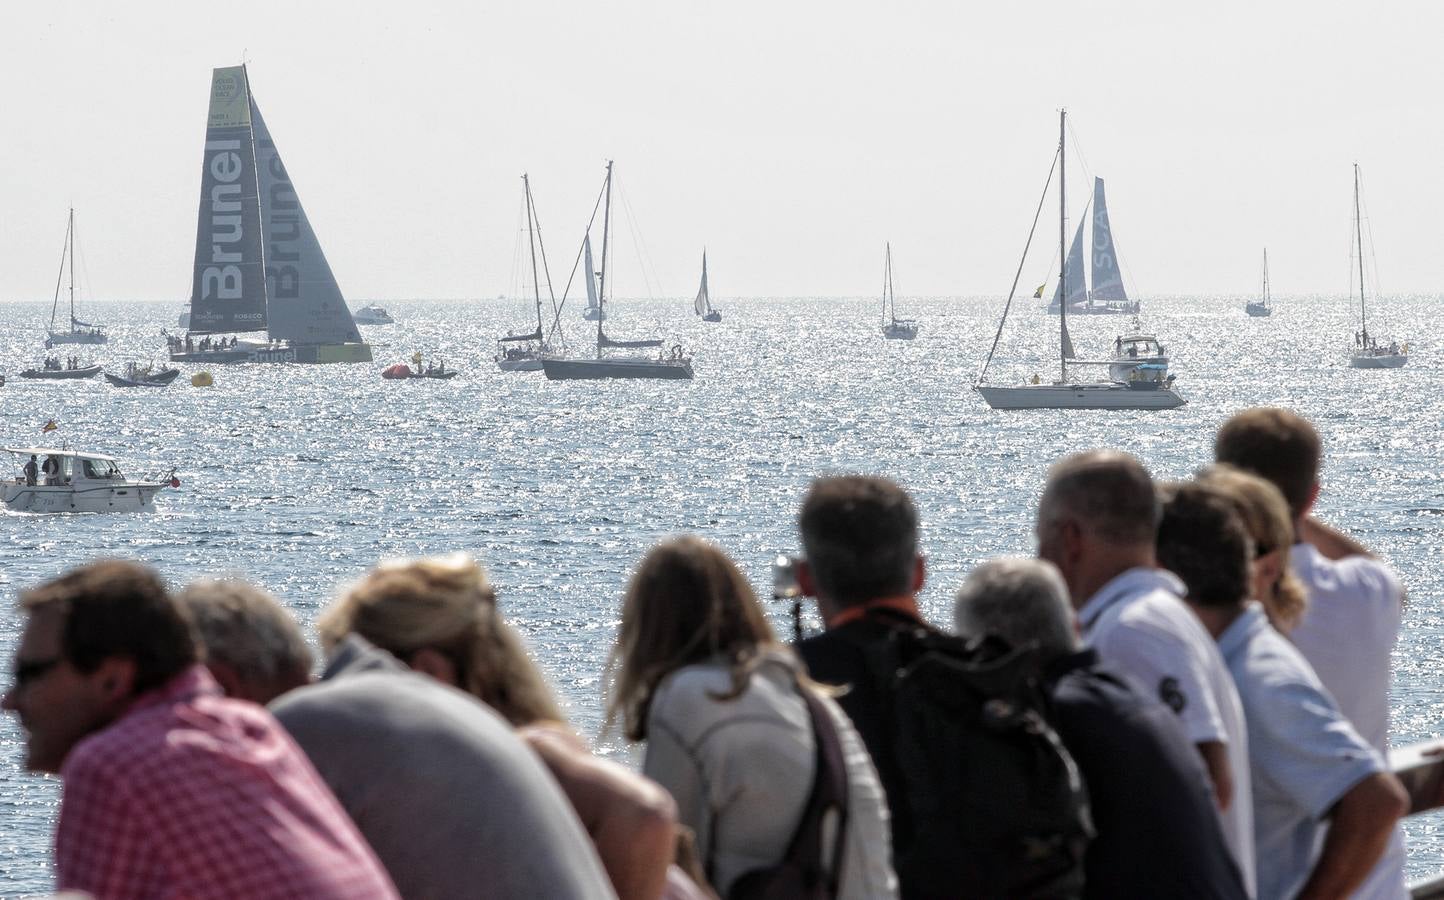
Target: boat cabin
column 65, row 467
column 1137, row 346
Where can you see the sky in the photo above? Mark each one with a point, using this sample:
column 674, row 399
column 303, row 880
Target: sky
column 790, row 139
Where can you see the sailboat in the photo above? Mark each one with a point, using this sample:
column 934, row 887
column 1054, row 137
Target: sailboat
column 1262, row 307
column 675, row 365
column 594, row 311
column 79, row 332
column 258, row 263
column 1147, row 387
column 894, row 328
column 703, row 304
column 1108, row 296
column 524, row 352
column 1368, row 353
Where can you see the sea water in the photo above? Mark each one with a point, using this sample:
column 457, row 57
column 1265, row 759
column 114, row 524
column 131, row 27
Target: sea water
column 302, row 477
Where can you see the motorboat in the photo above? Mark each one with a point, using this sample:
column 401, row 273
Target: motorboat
column 78, row 481
column 146, row 376
column 402, row 372
column 54, row 370
column 1133, row 350
column 372, row 315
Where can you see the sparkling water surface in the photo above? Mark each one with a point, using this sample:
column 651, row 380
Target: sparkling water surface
column 302, row 477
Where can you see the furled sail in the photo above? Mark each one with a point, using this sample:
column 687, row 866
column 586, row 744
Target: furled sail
column 228, row 285
column 591, row 274
column 604, row 341
column 703, row 304
column 304, row 305
column 1075, row 288
column 1107, row 278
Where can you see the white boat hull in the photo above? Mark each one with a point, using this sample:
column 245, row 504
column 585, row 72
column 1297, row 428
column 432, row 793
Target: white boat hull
column 1099, row 395
column 1378, row 361
column 77, row 337
column 125, row 497
column 617, row 367
column 519, row 365
column 1120, row 369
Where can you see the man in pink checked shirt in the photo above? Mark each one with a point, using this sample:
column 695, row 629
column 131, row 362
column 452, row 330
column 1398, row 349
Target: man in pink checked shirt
column 170, row 789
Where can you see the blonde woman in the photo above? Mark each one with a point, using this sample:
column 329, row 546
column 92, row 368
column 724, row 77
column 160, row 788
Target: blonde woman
column 698, row 676
column 439, row 616
column 1266, row 516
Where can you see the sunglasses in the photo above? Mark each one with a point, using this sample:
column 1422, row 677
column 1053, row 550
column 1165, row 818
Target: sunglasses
column 26, row 672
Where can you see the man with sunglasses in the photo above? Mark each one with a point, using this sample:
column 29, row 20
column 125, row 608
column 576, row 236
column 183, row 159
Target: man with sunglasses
column 169, row 788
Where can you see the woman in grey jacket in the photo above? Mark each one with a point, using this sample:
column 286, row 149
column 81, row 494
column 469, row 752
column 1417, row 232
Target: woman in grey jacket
column 699, row 676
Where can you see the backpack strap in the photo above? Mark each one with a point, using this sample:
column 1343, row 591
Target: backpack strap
column 829, row 791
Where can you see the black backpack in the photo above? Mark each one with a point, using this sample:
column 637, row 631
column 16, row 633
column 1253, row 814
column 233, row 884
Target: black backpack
column 997, row 806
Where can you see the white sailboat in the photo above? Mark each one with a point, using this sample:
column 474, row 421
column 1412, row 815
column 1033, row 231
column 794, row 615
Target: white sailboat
column 594, row 311
column 258, row 263
column 702, row 306
column 1258, row 308
column 673, row 365
column 1108, row 296
column 893, row 328
column 79, row 332
column 524, row 352
column 1148, row 386
column 1367, row 352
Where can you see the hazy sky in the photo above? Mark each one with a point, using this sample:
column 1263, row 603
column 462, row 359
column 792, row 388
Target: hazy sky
column 791, row 138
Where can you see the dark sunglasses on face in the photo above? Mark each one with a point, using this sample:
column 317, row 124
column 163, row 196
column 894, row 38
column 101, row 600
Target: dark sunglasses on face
column 27, row 671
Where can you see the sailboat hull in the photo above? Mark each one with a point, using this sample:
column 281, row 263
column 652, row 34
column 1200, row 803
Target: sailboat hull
column 1102, row 395
column 593, row 314
column 617, row 367
column 1257, row 309
column 77, row 337
column 1379, row 361
column 279, row 353
column 713, row 316
column 531, row 364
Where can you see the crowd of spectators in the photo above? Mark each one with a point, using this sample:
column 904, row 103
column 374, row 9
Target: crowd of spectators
column 1184, row 695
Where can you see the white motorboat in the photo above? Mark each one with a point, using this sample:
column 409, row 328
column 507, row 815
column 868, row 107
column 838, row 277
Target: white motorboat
column 1146, row 385
column 78, row 481
column 372, row 315
column 1133, row 350
column 1367, row 352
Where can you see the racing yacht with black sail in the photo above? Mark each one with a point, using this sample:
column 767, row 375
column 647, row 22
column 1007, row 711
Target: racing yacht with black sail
column 258, row 263
column 663, row 366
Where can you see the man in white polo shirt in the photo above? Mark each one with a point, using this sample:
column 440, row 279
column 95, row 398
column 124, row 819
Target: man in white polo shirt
column 1311, row 769
column 1096, row 522
column 1355, row 603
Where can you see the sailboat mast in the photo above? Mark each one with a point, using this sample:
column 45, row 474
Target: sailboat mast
column 531, row 239
column 602, row 276
column 1359, row 233
column 1266, row 276
column 71, row 230
column 886, row 277
column 1062, row 246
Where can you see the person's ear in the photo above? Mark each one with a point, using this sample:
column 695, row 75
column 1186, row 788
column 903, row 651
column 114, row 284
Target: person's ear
column 805, row 582
column 1070, row 534
column 1313, row 498
column 430, row 661
column 114, row 678
column 920, row 573
column 1269, row 568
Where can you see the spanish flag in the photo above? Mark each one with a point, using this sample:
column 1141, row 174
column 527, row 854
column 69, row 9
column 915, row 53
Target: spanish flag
column 49, row 426
column 1039, row 292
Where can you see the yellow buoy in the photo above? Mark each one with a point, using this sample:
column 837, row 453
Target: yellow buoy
column 202, row 379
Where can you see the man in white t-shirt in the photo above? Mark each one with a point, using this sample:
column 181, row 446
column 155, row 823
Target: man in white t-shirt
column 1096, row 522
column 1355, row 603
column 1310, row 768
